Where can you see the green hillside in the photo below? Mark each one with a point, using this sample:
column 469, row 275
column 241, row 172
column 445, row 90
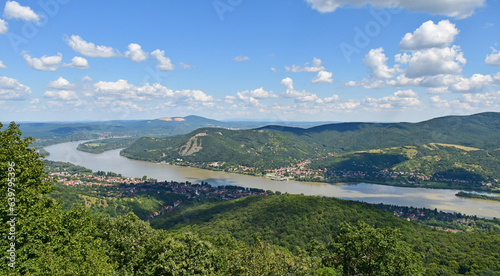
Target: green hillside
column 437, row 150
column 303, row 222
column 255, row 148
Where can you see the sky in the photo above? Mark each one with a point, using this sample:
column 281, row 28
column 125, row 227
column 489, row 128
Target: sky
column 287, row 60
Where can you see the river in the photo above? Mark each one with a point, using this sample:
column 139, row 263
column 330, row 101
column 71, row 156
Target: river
column 444, row 200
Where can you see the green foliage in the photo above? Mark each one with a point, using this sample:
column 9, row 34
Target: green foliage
column 47, row 240
column 364, row 250
column 294, row 221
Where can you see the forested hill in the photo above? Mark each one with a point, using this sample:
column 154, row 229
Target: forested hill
column 277, row 146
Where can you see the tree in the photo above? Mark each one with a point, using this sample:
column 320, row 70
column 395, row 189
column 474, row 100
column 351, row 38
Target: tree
column 46, row 240
column 364, row 250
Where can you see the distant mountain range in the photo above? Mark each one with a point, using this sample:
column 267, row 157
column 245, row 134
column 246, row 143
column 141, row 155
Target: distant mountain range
column 272, row 147
column 64, row 131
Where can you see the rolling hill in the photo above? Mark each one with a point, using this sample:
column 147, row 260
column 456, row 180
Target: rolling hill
column 326, row 146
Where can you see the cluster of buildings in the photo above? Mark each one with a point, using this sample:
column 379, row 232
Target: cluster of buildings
column 72, row 179
column 190, row 191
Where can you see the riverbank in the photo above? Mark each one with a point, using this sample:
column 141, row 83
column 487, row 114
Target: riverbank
column 477, row 196
column 442, row 199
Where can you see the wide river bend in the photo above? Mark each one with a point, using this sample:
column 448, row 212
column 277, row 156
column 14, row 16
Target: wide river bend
column 444, row 200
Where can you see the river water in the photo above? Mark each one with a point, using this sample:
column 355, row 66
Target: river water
column 444, row 200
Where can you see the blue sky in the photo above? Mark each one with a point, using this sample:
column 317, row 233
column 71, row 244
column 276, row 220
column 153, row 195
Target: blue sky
column 301, row 60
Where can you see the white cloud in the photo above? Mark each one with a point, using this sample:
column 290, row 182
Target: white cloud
column 78, row 63
column 194, row 95
column 459, row 9
column 14, row 10
column 437, row 102
column 376, row 60
column 430, row 35
column 438, row 90
column 436, row 84
column 243, row 96
column 323, row 76
column 128, row 105
column 260, row 93
column 45, row 63
column 107, row 92
column 85, row 79
column 475, row 83
column 288, row 83
column 315, row 66
column 11, row 89
column 35, row 101
column 135, row 53
column 400, row 99
column 156, row 91
column 241, row 58
column 89, row 49
column 490, row 100
column 436, row 61
column 62, row 95
column 183, row 65
column 274, row 70
column 333, row 98
column 493, row 58
column 163, row 63
column 229, row 99
column 299, row 96
column 60, row 83
column 119, row 89
column 2, row 65
column 3, row 27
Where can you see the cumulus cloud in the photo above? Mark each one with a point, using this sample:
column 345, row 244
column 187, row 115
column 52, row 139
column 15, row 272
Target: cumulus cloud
column 61, row 95
column 45, row 63
column 288, row 83
column 322, row 77
column 430, row 35
column 436, row 61
column 399, row 99
column 14, row 10
column 493, row 58
column 460, row 9
column 243, row 96
column 260, row 93
column 121, row 90
column 2, row 65
column 11, row 89
column 3, row 27
column 163, row 63
column 241, row 58
column 436, row 84
column 376, row 61
column 299, row 96
column 85, row 79
column 60, row 83
column 78, row 63
column 135, row 53
column 315, row 66
column 488, row 99
column 229, row 99
column 89, row 49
